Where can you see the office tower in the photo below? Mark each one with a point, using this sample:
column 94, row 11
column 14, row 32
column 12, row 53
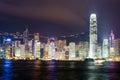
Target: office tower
column 93, row 36
column 42, row 50
column 22, row 51
column 17, row 48
column 67, row 53
column 30, row 46
column 60, row 44
column 117, row 47
column 25, row 36
column 25, row 40
column 111, row 39
column 7, row 47
column 83, row 49
column 36, row 49
column 52, row 47
column 17, row 52
column 71, row 50
column 36, row 36
column 99, row 51
column 8, row 54
column 111, row 44
column 1, row 53
column 105, row 49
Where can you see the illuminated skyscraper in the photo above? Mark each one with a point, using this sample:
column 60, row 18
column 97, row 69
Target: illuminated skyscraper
column 51, row 48
column 99, row 51
column 22, row 51
column 25, row 35
column 36, row 49
column 105, row 52
column 25, row 40
column 36, row 36
column 93, row 36
column 17, row 48
column 71, row 50
column 111, row 39
column 117, row 47
column 111, row 44
column 83, row 49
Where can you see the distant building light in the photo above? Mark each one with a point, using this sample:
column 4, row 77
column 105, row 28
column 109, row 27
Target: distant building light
column 1, row 50
column 8, row 39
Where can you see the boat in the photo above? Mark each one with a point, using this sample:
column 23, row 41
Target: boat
column 99, row 61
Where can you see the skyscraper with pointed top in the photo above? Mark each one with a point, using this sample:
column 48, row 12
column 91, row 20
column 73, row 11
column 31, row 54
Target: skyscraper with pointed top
column 25, row 40
column 93, row 36
column 111, row 39
column 25, row 35
column 111, row 44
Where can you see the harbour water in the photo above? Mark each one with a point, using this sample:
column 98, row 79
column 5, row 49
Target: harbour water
column 57, row 70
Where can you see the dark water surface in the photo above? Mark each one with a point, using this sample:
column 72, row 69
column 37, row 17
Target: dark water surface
column 57, row 70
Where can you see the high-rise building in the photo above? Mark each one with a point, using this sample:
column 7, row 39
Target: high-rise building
column 17, row 48
column 83, row 49
column 117, row 47
column 25, row 40
column 25, row 35
column 50, row 48
column 17, row 52
column 99, row 52
column 36, row 49
column 36, row 36
column 1, row 53
column 93, row 36
column 22, row 51
column 7, row 47
column 105, row 49
column 111, row 44
column 71, row 50
column 60, row 44
column 30, row 46
column 111, row 39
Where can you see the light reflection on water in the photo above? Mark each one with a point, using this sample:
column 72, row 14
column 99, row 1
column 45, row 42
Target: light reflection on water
column 51, row 71
column 57, row 70
column 6, row 70
column 96, row 73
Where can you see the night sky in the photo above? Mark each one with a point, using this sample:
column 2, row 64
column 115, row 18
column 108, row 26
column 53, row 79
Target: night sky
column 59, row 17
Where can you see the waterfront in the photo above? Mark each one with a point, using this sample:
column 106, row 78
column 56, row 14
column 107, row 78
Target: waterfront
column 57, row 70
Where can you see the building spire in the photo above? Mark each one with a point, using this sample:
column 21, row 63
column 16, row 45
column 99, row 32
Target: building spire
column 111, row 38
column 25, row 34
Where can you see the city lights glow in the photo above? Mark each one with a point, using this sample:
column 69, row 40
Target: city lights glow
column 27, row 48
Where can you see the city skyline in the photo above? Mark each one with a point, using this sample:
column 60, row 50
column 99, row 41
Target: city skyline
column 21, row 46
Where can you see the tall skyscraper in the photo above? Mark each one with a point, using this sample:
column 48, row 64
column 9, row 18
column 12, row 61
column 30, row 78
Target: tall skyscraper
column 105, row 51
column 99, row 51
column 93, row 36
column 71, row 50
column 25, row 35
column 37, row 49
column 117, row 47
column 111, row 39
column 25, row 40
column 36, row 36
column 111, row 44
column 83, row 49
